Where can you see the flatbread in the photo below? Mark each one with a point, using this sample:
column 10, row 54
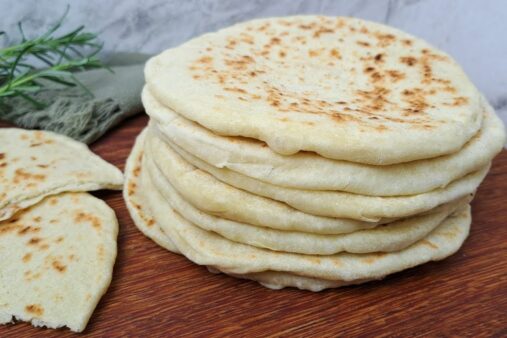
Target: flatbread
column 210, row 249
column 57, row 261
column 344, row 88
column 134, row 196
column 223, row 199
column 387, row 238
column 313, row 172
column 36, row 164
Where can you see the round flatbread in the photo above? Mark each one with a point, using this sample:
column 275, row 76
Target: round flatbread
column 344, row 88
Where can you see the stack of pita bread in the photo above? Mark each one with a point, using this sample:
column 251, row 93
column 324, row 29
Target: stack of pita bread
column 57, row 242
column 310, row 152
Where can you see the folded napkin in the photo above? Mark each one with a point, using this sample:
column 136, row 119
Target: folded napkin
column 73, row 112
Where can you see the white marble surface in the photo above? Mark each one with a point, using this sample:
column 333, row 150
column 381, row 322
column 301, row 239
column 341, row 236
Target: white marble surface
column 473, row 31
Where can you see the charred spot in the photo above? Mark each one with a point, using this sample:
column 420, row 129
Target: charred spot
column 275, row 41
column 407, row 42
column 363, row 43
column 58, row 266
column 369, row 69
column 379, row 57
column 408, row 60
column 321, row 31
column 282, row 54
column 34, row 241
column 395, row 75
column 84, row 217
column 235, row 90
column 34, row 309
column 2, row 156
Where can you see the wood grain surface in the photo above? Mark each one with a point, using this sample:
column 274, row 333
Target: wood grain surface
column 155, row 293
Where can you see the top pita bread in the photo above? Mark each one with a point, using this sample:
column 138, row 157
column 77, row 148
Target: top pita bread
column 35, row 164
column 313, row 172
column 342, row 87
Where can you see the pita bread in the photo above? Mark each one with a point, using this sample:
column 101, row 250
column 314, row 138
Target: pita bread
column 310, row 171
column 210, row 249
column 134, row 197
column 344, row 88
column 222, row 199
column 387, row 238
column 57, row 261
column 36, row 164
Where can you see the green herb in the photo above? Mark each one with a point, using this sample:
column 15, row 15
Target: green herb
column 60, row 56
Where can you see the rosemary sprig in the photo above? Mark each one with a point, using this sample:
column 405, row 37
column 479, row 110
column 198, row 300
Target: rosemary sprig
column 61, row 56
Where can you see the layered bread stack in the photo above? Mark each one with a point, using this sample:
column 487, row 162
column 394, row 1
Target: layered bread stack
column 309, row 151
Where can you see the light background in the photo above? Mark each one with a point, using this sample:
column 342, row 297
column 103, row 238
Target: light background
column 473, row 31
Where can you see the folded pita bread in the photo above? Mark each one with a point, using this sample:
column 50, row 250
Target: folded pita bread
column 36, row 164
column 56, row 261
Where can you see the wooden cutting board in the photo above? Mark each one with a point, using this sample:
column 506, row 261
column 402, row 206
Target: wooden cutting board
column 155, row 293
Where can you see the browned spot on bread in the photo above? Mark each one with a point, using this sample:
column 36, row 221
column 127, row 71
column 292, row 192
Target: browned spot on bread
column 58, row 266
column 235, row 90
column 205, row 59
column 85, row 217
column 371, row 258
column 379, row 58
column 314, row 260
column 34, row 241
column 151, row 222
column 407, row 42
column 2, row 156
column 22, row 175
column 335, row 53
column 7, row 228
column 322, row 30
column 458, row 101
column 408, row 60
column 363, row 43
column 26, row 258
column 28, row 229
column 59, row 239
column 314, row 52
column 136, row 171
column 131, row 188
column 395, row 75
column 384, row 40
column 34, row 309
